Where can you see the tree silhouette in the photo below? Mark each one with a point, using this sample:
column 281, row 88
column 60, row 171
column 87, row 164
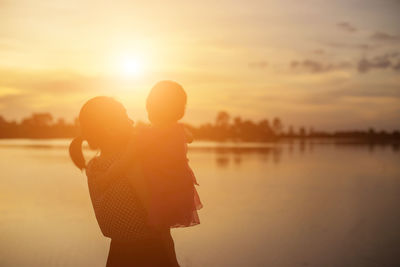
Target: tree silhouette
column 43, row 125
column 302, row 132
column 222, row 119
column 222, row 129
column 277, row 126
column 290, row 132
column 237, row 128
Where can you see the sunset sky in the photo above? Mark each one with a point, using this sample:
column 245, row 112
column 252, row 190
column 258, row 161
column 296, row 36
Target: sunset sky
column 327, row 64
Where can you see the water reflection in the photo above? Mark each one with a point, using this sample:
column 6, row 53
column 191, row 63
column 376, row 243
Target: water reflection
column 237, row 159
column 336, row 197
column 223, row 161
column 396, row 147
column 226, row 154
column 230, row 155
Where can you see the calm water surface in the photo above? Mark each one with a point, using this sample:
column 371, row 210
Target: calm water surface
column 269, row 205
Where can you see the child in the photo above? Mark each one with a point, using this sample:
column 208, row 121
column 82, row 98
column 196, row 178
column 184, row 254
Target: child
column 170, row 183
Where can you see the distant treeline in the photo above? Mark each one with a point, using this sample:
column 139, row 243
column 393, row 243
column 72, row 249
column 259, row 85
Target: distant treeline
column 38, row 125
column 224, row 128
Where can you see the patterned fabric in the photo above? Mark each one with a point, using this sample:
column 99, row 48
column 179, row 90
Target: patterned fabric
column 118, row 211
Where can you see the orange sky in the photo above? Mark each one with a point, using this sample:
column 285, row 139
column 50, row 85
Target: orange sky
column 329, row 65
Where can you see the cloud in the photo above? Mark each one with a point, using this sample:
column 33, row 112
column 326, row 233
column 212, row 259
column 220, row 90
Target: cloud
column 359, row 46
column 258, row 64
column 18, row 105
column 346, row 26
column 364, row 65
column 386, row 61
column 390, row 61
column 396, row 66
column 385, row 37
column 60, row 92
column 14, row 99
column 53, row 82
column 314, row 66
column 319, row 52
column 362, row 91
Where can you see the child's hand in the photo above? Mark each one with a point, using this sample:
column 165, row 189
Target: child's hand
column 188, row 136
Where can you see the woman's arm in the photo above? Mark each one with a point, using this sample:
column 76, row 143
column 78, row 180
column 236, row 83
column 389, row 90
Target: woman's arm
column 119, row 167
column 129, row 166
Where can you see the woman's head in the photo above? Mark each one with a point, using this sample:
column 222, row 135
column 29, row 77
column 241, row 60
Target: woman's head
column 103, row 123
column 166, row 102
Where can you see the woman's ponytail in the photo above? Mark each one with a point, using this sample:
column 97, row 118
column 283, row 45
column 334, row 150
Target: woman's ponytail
column 75, row 152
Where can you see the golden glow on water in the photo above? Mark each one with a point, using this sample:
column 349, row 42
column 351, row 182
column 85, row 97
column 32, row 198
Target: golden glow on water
column 280, row 205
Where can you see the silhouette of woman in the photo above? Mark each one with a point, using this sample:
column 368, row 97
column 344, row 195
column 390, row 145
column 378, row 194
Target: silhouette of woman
column 118, row 208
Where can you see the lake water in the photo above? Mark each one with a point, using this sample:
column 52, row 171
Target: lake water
column 264, row 205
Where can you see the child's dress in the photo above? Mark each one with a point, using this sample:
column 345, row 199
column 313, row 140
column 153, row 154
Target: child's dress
column 172, row 197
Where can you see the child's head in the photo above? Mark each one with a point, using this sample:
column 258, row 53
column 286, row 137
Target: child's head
column 166, row 102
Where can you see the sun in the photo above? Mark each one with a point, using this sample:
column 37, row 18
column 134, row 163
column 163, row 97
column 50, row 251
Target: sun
column 131, row 66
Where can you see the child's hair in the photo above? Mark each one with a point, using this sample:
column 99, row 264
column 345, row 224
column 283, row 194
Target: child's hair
column 166, row 102
column 101, row 119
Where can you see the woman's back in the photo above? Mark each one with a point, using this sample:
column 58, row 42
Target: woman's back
column 119, row 213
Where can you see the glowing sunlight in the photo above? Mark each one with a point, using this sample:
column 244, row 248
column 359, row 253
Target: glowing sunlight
column 120, row 119
column 130, row 66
